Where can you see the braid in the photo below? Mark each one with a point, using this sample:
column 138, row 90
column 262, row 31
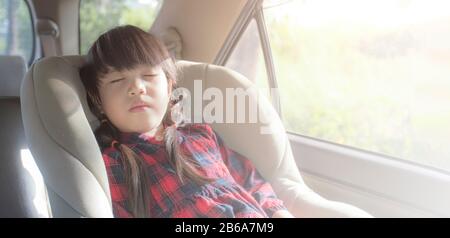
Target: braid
column 183, row 164
column 136, row 176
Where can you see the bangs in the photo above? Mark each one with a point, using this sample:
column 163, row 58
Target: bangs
column 124, row 48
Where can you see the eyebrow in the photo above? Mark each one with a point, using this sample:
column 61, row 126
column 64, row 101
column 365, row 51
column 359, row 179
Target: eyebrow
column 150, row 70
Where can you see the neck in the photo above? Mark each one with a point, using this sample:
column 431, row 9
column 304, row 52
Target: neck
column 157, row 132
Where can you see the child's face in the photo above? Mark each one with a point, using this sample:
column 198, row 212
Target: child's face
column 135, row 100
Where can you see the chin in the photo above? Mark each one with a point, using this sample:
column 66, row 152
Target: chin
column 148, row 125
column 142, row 123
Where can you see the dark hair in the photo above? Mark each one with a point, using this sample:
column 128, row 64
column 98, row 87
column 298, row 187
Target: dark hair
column 121, row 48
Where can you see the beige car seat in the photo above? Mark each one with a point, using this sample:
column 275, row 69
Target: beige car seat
column 59, row 130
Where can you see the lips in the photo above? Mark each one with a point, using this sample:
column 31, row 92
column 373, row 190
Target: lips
column 139, row 106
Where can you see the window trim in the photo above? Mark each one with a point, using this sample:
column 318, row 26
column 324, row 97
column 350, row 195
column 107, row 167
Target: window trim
column 33, row 30
column 268, row 59
column 421, row 187
column 236, row 32
column 252, row 11
column 294, row 135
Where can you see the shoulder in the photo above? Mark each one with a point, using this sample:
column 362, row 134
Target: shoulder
column 200, row 134
column 197, row 130
column 110, row 154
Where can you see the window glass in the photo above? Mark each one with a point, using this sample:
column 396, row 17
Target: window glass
column 98, row 16
column 16, row 29
column 373, row 75
column 247, row 58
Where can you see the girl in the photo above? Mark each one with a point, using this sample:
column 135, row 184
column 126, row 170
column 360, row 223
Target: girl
column 156, row 167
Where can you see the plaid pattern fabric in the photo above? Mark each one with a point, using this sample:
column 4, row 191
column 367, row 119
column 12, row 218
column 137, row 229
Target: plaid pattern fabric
column 237, row 189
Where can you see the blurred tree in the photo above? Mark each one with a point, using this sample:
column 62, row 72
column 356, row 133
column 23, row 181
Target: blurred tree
column 2, row 26
column 11, row 36
column 16, row 35
column 98, row 16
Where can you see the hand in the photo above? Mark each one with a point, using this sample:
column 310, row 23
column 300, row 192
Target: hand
column 282, row 214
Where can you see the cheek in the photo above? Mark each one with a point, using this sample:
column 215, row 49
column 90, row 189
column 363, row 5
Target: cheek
column 110, row 103
column 160, row 99
column 160, row 92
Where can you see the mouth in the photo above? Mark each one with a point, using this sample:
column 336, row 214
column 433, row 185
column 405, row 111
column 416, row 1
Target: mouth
column 139, row 107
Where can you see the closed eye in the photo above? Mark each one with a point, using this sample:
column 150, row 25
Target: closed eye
column 117, row 80
column 149, row 77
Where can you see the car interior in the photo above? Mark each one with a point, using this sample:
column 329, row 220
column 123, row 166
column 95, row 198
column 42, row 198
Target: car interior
column 52, row 167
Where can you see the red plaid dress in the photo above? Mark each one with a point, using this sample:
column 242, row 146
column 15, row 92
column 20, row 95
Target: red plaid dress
column 238, row 190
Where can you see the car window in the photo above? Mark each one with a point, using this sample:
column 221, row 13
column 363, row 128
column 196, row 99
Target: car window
column 16, row 29
column 98, row 16
column 373, row 75
column 247, row 58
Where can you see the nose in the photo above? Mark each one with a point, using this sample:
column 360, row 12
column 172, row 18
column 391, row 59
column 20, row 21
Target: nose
column 137, row 87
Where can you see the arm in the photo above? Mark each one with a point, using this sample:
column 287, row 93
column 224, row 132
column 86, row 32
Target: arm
column 245, row 174
column 304, row 202
column 282, row 214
